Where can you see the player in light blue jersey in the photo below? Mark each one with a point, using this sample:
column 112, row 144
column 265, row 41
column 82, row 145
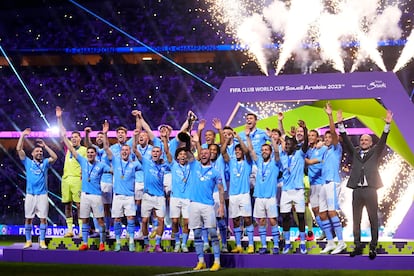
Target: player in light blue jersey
column 106, row 181
column 203, row 180
column 313, row 161
column 145, row 142
column 180, row 197
column 258, row 136
column 293, row 189
column 209, row 135
column 329, row 203
column 240, row 168
column 265, row 206
column 217, row 162
column 91, row 196
column 36, row 201
column 154, row 196
column 229, row 136
column 298, row 133
column 124, row 187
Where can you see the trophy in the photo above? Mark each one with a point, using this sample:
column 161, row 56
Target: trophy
column 185, row 136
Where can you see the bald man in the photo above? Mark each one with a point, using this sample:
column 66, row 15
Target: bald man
column 365, row 180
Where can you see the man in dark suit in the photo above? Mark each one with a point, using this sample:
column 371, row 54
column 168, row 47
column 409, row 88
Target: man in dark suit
column 365, row 180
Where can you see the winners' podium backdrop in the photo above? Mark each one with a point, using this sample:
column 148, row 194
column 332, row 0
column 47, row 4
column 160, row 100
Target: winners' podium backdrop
column 363, row 98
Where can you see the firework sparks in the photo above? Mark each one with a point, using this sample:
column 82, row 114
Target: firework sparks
column 324, row 26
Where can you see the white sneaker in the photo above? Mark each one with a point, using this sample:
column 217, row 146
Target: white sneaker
column 139, row 235
column 184, row 248
column 328, row 248
column 177, row 247
column 341, row 246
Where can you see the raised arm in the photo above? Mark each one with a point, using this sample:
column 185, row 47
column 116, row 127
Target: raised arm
column 218, row 126
column 250, row 144
column 243, row 146
column 59, row 116
column 135, row 143
column 19, row 146
column 388, row 118
column 305, row 145
column 276, row 149
column 164, row 138
column 383, row 139
column 52, row 155
column 87, row 141
column 67, row 143
column 223, row 150
column 280, row 118
column 200, row 128
column 105, row 129
column 196, row 140
column 342, row 131
column 145, row 126
column 328, row 110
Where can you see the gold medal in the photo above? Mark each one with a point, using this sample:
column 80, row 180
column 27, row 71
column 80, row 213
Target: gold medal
column 122, row 177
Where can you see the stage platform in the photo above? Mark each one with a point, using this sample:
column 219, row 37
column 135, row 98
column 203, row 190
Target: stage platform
column 400, row 259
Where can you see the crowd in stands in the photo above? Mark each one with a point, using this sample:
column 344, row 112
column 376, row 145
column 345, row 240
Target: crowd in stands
column 104, row 92
column 155, row 23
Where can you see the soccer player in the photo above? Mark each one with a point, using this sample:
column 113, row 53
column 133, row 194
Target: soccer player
column 293, row 189
column 218, row 163
column 91, row 197
column 329, row 204
column 313, row 161
column 123, row 203
column 298, row 134
column 257, row 136
column 240, row 206
column 106, row 181
column 203, row 180
column 265, row 206
column 36, row 201
column 154, row 197
column 71, row 178
column 180, row 196
column 145, row 148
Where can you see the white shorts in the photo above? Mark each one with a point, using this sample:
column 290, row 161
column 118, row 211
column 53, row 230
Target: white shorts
column 123, row 205
column 265, row 208
column 167, row 182
column 216, row 197
column 240, row 206
column 329, row 197
column 201, row 215
column 36, row 205
column 292, row 198
column 152, row 202
column 315, row 194
column 107, row 192
column 178, row 207
column 139, row 190
column 90, row 202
